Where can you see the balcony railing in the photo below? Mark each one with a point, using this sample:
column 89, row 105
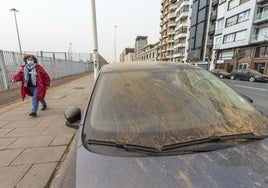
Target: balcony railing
column 218, row 31
column 215, row 2
column 213, row 15
column 259, row 38
column 262, row 1
column 261, row 17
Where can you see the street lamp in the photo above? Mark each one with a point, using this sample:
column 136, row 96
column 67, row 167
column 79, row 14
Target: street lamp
column 95, row 38
column 115, row 42
column 15, row 10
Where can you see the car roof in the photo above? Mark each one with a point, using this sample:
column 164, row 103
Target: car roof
column 122, row 66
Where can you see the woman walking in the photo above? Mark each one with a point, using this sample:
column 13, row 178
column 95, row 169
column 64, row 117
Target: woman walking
column 34, row 82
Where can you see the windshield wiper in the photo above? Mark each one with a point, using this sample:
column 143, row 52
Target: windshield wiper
column 128, row 147
column 213, row 138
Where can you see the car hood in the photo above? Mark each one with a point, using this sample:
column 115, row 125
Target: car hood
column 243, row 166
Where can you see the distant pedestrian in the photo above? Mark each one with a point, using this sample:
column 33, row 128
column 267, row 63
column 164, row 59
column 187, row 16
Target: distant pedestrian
column 34, row 82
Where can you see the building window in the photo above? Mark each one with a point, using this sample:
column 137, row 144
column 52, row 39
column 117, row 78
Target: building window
column 262, row 51
column 238, row 36
column 231, row 21
column 234, row 3
column 217, row 42
column 219, row 26
column 245, row 53
column 243, row 16
column 226, row 55
column 229, row 38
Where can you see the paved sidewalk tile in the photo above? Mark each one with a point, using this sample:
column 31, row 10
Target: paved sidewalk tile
column 40, row 155
column 4, row 132
column 26, row 131
column 22, row 123
column 37, row 176
column 31, row 141
column 62, row 139
column 5, row 142
column 10, row 176
column 7, row 156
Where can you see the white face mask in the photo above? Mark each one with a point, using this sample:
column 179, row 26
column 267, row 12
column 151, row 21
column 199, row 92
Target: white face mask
column 30, row 62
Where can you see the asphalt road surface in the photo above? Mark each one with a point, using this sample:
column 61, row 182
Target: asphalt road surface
column 255, row 90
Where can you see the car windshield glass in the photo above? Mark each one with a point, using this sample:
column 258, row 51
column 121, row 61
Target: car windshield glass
column 165, row 106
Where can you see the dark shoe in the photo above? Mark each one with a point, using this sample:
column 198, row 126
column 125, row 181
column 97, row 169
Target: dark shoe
column 44, row 107
column 32, row 114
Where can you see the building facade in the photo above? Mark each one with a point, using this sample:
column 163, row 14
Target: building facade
column 181, row 30
column 242, row 37
column 198, row 31
column 127, row 55
column 167, row 29
column 149, row 53
column 140, row 42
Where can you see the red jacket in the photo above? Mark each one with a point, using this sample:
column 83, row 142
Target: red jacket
column 42, row 82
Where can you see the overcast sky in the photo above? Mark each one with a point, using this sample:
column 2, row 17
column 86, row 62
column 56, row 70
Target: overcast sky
column 51, row 25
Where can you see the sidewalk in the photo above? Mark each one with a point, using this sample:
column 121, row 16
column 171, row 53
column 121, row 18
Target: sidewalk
column 31, row 149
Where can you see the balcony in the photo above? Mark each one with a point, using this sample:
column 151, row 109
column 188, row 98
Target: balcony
column 218, row 31
column 172, row 7
column 181, row 35
column 215, row 2
column 217, row 46
column 210, row 43
column 261, row 18
column 172, row 24
column 182, row 16
column 259, row 38
column 180, row 45
column 171, row 32
column 172, row 15
column 178, row 55
column 211, row 30
column 170, row 41
column 213, row 15
column 170, row 49
column 262, row 1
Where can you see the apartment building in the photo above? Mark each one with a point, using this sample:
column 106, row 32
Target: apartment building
column 198, row 31
column 127, row 55
column 167, row 31
column 149, row 53
column 241, row 38
column 181, row 29
column 140, row 42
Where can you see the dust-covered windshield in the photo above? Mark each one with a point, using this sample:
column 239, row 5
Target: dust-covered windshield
column 165, row 106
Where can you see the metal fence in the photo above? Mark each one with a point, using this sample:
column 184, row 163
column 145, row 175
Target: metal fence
column 10, row 63
column 71, row 56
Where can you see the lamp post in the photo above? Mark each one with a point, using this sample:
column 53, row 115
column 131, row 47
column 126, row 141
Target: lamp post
column 14, row 11
column 115, row 42
column 95, row 38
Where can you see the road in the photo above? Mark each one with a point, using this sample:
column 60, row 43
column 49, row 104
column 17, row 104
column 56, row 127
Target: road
column 255, row 90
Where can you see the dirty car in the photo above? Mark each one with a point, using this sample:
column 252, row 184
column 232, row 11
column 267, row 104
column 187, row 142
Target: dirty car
column 169, row 125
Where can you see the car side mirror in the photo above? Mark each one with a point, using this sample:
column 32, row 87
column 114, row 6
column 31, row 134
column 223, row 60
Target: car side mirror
column 72, row 115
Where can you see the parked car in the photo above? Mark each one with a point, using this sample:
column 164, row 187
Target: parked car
column 168, row 125
column 221, row 73
column 248, row 74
